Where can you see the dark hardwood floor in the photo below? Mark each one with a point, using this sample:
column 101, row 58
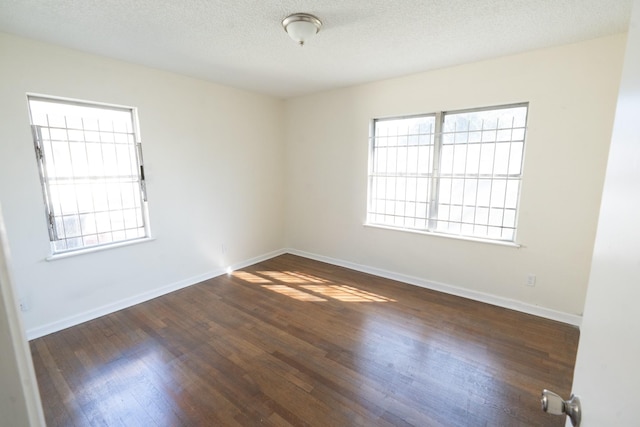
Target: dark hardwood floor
column 291, row 341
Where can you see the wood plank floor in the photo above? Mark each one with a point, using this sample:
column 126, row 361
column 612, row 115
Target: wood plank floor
column 291, row 341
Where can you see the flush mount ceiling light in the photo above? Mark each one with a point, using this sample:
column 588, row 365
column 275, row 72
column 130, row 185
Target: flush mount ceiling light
column 301, row 26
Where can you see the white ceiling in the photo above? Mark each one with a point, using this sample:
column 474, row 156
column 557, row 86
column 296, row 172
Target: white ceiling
column 241, row 42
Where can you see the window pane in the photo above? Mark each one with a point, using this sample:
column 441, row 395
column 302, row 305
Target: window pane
column 89, row 170
column 105, row 238
column 412, row 160
column 509, row 219
column 74, row 243
column 498, row 193
column 92, row 136
column 508, row 234
column 401, row 188
column 468, row 215
column 466, row 229
column 484, row 192
column 445, row 190
column 423, row 192
column 88, row 223
column 84, row 197
column 381, row 160
column 459, row 159
column 61, row 158
column 457, row 191
column 475, row 137
column 78, row 159
column 486, row 158
column 446, row 160
column 479, row 169
column 103, row 222
column 424, row 159
column 402, row 150
column 501, row 162
column 444, row 212
column 473, row 159
column 470, row 192
column 515, row 158
column 482, row 216
column 495, row 217
column 68, row 204
column 455, row 213
column 113, row 196
column 100, row 197
column 511, row 196
column 117, row 220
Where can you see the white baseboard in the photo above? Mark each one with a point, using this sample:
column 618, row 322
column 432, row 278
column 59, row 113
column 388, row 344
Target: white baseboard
column 512, row 304
column 258, row 259
column 77, row 319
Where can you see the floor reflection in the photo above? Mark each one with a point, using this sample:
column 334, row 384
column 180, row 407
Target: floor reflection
column 130, row 388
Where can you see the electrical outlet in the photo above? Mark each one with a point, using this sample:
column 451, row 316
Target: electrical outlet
column 223, row 249
column 24, row 305
column 531, row 279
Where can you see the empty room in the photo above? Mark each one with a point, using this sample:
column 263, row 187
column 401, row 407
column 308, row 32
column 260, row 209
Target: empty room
column 331, row 213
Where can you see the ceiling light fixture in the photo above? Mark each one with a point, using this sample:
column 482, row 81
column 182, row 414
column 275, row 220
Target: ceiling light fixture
column 301, row 26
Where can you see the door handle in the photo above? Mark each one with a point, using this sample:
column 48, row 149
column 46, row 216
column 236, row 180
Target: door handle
column 553, row 404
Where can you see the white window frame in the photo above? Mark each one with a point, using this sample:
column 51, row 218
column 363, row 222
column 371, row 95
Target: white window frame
column 107, row 186
column 390, row 209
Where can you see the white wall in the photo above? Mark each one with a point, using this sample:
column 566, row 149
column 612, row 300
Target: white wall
column 213, row 162
column 606, row 374
column 572, row 92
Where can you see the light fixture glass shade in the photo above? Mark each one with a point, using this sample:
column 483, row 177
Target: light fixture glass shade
column 301, row 26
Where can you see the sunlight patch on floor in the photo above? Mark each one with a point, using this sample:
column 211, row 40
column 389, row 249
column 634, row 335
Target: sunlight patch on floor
column 283, row 276
column 346, row 293
column 251, row 278
column 306, row 287
column 293, row 293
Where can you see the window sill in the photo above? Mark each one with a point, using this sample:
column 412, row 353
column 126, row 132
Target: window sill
column 101, row 248
column 447, row 236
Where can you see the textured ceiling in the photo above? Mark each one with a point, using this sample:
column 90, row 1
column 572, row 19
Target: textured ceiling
column 241, row 43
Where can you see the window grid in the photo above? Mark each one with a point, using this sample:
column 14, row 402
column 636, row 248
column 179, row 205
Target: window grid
column 393, row 178
column 90, row 175
column 475, row 168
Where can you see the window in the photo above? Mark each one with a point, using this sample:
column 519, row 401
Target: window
column 449, row 172
column 90, row 162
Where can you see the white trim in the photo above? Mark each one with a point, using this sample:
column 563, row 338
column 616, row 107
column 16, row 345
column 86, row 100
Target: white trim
column 76, row 101
column 257, row 259
column 499, row 301
column 18, row 355
column 506, row 243
column 77, row 319
column 99, row 248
